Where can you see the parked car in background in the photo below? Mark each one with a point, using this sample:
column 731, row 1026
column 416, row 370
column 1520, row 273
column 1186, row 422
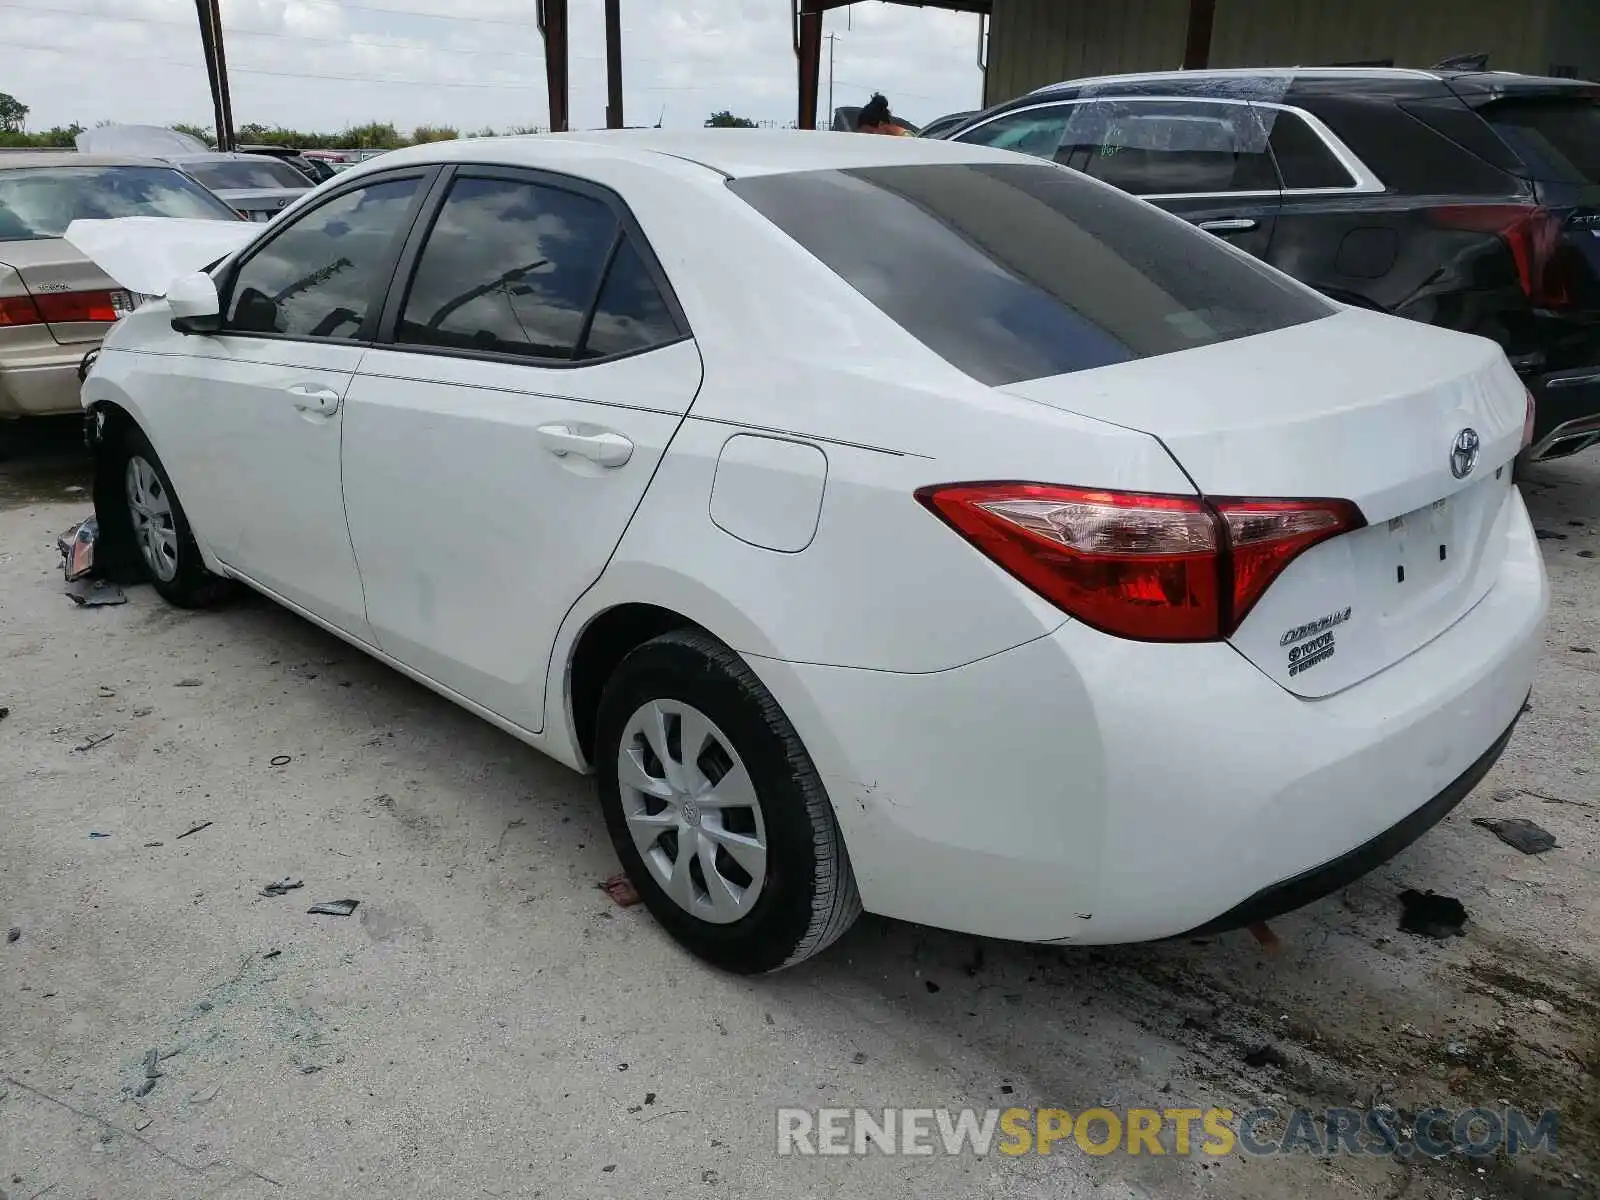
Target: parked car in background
column 1469, row 200
column 1009, row 557
column 55, row 304
column 313, row 169
column 257, row 187
column 942, row 126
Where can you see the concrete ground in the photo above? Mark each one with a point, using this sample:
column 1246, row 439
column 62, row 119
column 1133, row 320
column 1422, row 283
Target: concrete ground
column 489, row 1023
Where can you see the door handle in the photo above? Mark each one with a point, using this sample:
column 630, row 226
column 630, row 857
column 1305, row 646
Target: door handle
column 310, row 398
column 1230, row 225
column 603, row 447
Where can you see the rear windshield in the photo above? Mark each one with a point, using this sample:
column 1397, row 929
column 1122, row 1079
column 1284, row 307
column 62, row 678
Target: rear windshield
column 241, row 174
column 40, row 202
column 1014, row 272
column 1559, row 140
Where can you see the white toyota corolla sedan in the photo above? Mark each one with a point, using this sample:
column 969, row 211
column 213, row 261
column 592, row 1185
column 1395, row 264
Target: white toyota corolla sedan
column 887, row 523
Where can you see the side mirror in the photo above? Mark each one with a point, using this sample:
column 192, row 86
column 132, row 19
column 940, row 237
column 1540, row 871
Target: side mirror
column 194, row 304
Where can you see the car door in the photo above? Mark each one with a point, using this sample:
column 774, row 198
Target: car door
column 533, row 366
column 256, row 407
column 1201, row 159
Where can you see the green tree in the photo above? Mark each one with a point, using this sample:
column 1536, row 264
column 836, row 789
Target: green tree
column 201, row 132
column 13, row 113
column 726, row 120
column 374, row 135
column 433, row 133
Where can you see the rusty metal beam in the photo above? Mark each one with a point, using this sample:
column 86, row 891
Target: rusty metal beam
column 208, row 50
column 614, row 64
column 1197, row 41
column 552, row 20
column 808, row 56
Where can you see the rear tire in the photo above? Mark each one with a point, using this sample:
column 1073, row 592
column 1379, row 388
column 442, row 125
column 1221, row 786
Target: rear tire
column 154, row 524
column 746, row 866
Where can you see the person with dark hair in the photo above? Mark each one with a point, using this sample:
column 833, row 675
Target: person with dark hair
column 876, row 118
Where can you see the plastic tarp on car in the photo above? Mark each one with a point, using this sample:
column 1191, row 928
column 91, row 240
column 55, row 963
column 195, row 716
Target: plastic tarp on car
column 145, row 254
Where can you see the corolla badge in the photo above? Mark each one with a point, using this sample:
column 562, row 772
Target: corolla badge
column 1464, row 453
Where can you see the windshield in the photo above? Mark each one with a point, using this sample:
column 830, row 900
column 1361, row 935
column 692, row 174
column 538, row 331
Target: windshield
column 240, row 173
column 1559, row 140
column 1021, row 272
column 40, row 202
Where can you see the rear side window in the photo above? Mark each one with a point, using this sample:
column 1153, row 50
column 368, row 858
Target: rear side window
column 1559, row 140
column 509, row 267
column 1304, row 159
column 1014, row 272
column 239, row 174
column 630, row 314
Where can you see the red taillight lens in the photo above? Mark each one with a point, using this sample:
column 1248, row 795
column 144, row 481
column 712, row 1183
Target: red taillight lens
column 1532, row 234
column 1527, row 422
column 1151, row 567
column 19, row 310
column 1265, row 536
column 62, row 307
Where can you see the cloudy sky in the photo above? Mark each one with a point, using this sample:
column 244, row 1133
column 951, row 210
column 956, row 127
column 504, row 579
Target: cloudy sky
column 327, row 64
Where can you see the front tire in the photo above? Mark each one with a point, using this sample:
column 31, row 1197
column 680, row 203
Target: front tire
column 715, row 810
column 158, row 531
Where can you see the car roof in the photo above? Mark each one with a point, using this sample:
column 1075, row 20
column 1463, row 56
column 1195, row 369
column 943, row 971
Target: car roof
column 71, row 158
column 733, row 153
column 1289, row 80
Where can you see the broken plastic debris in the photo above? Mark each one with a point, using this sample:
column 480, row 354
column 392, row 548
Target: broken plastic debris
column 334, row 908
column 1432, row 916
column 96, row 593
column 1519, row 834
column 146, row 1086
column 92, row 742
column 193, row 829
column 77, row 549
column 13, row 934
column 94, row 834
column 282, row 887
column 621, row 890
column 151, row 1057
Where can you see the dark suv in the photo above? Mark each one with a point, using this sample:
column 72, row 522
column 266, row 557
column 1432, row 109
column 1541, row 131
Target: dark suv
column 1464, row 199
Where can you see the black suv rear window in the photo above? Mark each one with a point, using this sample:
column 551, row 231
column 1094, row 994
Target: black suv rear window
column 1014, row 272
column 1559, row 140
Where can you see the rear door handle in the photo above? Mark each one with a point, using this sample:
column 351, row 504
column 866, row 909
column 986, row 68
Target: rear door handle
column 602, row 446
column 1231, row 225
column 310, row 398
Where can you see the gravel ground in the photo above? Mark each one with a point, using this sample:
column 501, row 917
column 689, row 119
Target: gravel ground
column 489, row 1023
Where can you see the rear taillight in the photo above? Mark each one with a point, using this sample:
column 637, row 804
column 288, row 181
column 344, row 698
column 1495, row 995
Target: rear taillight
column 1151, row 567
column 19, row 310
column 59, row 308
column 1532, row 234
column 1527, row 422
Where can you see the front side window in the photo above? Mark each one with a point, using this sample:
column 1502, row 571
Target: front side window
column 1021, row 271
column 317, row 278
column 1159, row 147
column 514, row 267
column 1035, row 131
column 40, row 202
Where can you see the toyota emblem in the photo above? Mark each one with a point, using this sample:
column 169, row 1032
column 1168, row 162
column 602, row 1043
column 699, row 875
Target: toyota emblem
column 1464, row 454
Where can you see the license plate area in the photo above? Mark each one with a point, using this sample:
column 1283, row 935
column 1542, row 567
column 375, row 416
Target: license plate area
column 1431, row 546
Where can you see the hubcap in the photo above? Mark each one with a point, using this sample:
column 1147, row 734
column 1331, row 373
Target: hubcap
column 150, row 508
column 692, row 810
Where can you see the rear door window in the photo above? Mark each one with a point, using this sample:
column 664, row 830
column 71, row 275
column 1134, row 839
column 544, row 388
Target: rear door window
column 1170, row 147
column 1014, row 272
column 1558, row 139
column 1305, row 161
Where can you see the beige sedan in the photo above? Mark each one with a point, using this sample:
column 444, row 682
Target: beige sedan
column 56, row 305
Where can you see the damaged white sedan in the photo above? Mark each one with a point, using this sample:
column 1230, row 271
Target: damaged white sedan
column 888, row 523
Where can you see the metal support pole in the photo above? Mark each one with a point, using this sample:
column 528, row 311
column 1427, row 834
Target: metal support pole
column 613, row 64
column 208, row 45
column 808, row 53
column 1197, row 43
column 552, row 19
column 222, row 81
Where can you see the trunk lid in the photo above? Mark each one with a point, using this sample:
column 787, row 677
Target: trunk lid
column 1358, row 407
column 50, row 267
column 259, row 204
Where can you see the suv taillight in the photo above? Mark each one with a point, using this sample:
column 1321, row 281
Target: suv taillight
column 1155, row 568
column 1532, row 234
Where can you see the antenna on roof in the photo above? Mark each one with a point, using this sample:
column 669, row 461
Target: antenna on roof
column 662, row 117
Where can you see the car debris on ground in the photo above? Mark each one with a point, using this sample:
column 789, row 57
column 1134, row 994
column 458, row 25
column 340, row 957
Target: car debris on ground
column 334, row 908
column 95, row 593
column 283, row 887
column 193, row 829
column 1519, row 833
column 1429, row 915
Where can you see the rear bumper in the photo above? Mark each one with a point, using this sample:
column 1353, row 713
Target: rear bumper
column 1566, row 412
column 40, row 389
column 1084, row 788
